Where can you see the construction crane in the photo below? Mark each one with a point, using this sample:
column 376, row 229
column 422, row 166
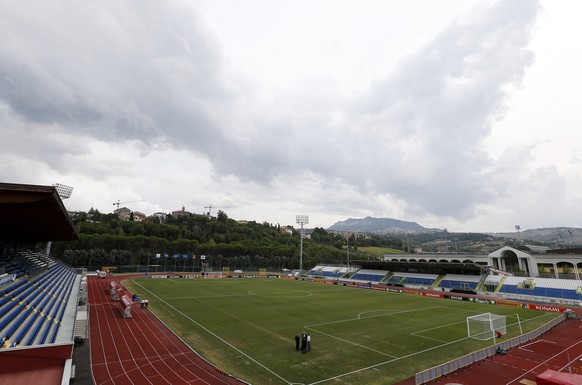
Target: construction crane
column 216, row 207
column 122, row 203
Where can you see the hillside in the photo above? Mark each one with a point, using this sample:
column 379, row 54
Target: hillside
column 379, row 225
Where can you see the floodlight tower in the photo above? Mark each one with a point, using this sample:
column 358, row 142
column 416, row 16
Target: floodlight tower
column 518, row 228
column 348, row 247
column 64, row 192
column 302, row 220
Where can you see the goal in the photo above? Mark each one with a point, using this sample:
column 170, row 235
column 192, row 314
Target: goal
column 211, row 274
column 486, row 326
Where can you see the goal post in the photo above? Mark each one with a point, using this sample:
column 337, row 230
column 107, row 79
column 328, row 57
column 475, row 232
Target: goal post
column 212, row 274
column 486, row 326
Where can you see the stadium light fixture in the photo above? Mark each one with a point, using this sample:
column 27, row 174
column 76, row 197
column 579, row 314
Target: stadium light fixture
column 302, row 220
column 64, row 191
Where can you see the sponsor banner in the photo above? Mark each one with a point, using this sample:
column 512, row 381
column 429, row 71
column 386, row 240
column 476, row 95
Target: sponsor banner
column 510, row 304
column 158, row 276
column 455, row 297
column 394, row 290
column 431, row 294
column 364, row 286
column 408, row 291
column 329, row 282
column 352, row 285
column 551, row 308
column 485, row 301
column 381, row 288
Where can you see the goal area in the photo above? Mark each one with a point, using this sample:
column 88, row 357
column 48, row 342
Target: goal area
column 486, row 326
column 212, row 274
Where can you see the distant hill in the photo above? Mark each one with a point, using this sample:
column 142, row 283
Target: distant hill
column 560, row 236
column 379, row 225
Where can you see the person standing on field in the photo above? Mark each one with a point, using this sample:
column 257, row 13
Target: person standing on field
column 308, row 342
column 297, row 340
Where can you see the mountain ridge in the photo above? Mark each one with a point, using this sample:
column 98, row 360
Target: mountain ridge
column 380, row 225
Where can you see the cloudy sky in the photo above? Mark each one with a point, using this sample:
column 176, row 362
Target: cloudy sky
column 455, row 114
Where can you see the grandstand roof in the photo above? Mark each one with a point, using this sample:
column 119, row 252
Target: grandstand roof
column 33, row 213
column 423, row 267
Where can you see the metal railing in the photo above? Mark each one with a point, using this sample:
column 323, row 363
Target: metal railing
column 461, row 362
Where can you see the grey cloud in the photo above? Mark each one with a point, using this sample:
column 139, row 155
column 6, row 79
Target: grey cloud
column 113, row 70
column 442, row 102
column 151, row 72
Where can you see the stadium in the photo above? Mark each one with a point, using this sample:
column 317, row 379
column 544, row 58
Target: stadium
column 410, row 319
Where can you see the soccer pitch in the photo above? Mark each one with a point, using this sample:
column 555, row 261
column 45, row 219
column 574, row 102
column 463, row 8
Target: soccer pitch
column 247, row 327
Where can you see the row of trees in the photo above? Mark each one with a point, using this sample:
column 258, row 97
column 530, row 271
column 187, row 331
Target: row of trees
column 104, row 240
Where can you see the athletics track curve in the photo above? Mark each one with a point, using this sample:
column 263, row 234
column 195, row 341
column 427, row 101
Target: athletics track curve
column 140, row 350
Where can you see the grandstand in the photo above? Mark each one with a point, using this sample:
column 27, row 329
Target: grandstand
column 325, row 271
column 38, row 296
column 465, row 277
column 412, row 279
column 369, row 275
column 460, row 281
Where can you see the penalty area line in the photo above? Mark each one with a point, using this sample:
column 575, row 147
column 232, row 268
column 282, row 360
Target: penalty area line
column 386, row 362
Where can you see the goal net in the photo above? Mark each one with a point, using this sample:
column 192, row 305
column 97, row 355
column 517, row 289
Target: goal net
column 486, row 326
column 211, row 274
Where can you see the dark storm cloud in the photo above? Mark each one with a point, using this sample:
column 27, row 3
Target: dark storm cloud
column 151, row 72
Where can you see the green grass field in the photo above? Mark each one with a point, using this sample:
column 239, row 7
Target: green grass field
column 247, row 328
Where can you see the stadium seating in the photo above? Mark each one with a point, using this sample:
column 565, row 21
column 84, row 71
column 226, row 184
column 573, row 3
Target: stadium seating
column 542, row 287
column 31, row 311
column 328, row 271
column 369, row 275
column 458, row 281
column 412, row 279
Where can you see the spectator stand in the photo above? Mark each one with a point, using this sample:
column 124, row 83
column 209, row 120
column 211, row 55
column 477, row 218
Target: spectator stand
column 459, row 282
column 368, row 275
column 33, row 311
column 562, row 290
column 412, row 279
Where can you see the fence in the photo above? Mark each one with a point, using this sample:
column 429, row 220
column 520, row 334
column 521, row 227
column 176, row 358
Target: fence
column 459, row 363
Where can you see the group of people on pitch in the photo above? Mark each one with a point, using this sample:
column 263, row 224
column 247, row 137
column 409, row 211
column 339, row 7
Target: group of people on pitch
column 303, row 340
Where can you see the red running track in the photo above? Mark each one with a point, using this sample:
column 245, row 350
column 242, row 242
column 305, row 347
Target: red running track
column 560, row 349
column 140, row 350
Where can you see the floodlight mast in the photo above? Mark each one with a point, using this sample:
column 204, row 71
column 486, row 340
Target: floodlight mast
column 64, row 192
column 302, row 220
column 518, row 228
